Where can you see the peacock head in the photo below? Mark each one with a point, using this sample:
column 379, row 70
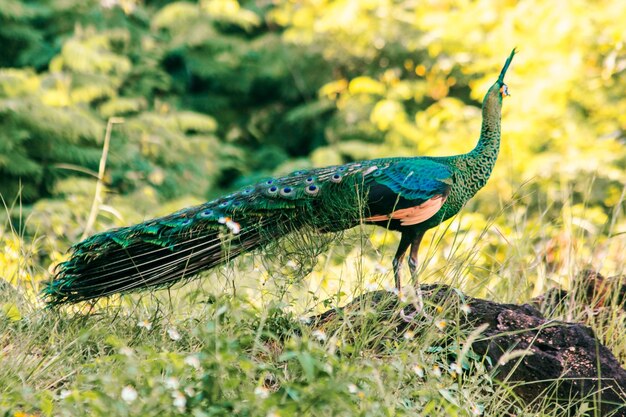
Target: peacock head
column 502, row 88
column 499, row 89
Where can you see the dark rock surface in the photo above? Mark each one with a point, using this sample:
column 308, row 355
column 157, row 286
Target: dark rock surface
column 564, row 362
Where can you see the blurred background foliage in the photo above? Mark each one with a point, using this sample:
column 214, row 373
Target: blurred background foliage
column 218, row 93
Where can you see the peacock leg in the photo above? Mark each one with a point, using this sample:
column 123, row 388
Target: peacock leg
column 415, row 245
column 405, row 242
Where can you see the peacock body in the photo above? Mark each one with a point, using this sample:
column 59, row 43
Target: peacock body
column 409, row 195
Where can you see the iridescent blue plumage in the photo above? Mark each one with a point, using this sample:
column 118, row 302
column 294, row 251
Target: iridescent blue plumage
column 410, row 195
column 415, row 179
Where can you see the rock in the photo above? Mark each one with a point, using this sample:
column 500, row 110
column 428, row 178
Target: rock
column 555, row 351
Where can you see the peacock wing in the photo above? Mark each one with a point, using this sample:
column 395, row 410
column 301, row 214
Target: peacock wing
column 410, row 190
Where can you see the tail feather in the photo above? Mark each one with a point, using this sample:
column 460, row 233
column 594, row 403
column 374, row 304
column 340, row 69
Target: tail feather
column 144, row 263
column 163, row 251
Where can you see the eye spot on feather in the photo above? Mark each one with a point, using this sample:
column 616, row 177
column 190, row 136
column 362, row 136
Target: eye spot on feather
column 247, row 191
column 342, row 169
column 224, row 204
column 336, row 178
column 236, row 203
column 312, row 190
column 185, row 222
column 309, row 180
column 299, row 172
column 269, row 182
column 377, row 173
column 206, row 213
column 272, row 190
column 287, row 191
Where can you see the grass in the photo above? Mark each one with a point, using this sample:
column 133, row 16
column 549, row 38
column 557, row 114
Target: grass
column 237, row 342
column 225, row 357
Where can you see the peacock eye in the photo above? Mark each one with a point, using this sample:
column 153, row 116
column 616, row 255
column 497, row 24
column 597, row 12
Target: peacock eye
column 206, row 213
column 185, row 222
column 336, row 178
column 236, row 203
column 312, row 189
column 269, row 182
column 224, row 204
column 272, row 190
column 247, row 191
column 286, row 191
column 309, row 180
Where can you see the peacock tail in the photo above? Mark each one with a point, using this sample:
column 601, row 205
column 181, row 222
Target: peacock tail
column 410, row 195
column 165, row 250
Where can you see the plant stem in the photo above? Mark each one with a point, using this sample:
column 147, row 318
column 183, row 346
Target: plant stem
column 97, row 198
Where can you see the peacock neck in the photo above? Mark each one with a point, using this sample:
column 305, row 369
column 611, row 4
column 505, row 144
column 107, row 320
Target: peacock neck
column 481, row 160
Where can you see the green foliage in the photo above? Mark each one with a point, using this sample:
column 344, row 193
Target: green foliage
column 224, row 357
column 216, row 94
column 221, row 361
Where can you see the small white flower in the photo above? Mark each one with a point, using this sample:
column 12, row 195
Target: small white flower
column 352, row 389
column 409, row 335
column 126, row 351
column 129, row 394
column 108, row 4
column 173, row 334
column 64, row 394
column 328, row 368
column 441, row 324
column 261, row 392
column 466, row 308
column 319, row 335
column 456, row 369
column 144, row 324
column 273, row 414
column 372, row 286
column 233, row 226
column 172, row 383
column 419, row 371
column 304, row 319
column 436, row 371
column 190, row 391
column 223, row 309
column 193, row 361
column 380, row 269
column 478, row 409
column 392, row 289
column 179, row 400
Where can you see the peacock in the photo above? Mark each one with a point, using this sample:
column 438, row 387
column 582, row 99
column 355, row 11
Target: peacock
column 406, row 194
